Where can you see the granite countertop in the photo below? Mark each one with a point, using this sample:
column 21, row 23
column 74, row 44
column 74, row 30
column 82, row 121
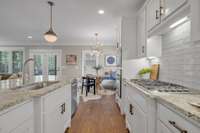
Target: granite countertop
column 180, row 103
column 9, row 98
column 177, row 102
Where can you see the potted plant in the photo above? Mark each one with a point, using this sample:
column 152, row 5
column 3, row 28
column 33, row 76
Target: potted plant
column 144, row 73
column 97, row 68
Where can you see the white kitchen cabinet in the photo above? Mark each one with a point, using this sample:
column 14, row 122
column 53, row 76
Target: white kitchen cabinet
column 139, row 123
column 171, row 6
column 136, row 112
column 54, row 121
column 153, row 14
column 161, row 128
column 128, row 38
column 52, row 110
column 26, row 127
column 174, row 122
column 17, row 119
column 141, row 33
column 195, row 20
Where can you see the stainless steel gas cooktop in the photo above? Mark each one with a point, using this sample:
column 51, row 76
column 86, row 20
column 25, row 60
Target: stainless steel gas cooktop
column 162, row 86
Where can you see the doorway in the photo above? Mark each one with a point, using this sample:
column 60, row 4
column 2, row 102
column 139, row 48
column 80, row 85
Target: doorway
column 46, row 66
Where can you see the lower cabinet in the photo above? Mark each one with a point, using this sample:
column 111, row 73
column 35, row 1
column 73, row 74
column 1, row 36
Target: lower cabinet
column 52, row 111
column 26, row 127
column 171, row 122
column 17, row 119
column 136, row 118
column 161, row 128
column 54, row 121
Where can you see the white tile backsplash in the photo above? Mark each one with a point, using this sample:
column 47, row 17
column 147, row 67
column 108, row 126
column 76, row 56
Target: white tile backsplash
column 180, row 61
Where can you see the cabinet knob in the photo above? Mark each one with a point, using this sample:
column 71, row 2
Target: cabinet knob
column 157, row 14
column 173, row 123
column 143, row 49
column 63, row 108
column 131, row 109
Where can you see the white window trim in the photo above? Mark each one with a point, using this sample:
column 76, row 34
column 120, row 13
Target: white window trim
column 46, row 52
column 83, row 59
column 10, row 49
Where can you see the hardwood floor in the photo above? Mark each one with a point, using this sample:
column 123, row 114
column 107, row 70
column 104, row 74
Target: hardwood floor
column 99, row 116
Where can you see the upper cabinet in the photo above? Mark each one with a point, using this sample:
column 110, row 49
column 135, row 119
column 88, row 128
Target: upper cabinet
column 141, row 33
column 168, row 7
column 195, row 20
column 128, row 38
column 153, row 14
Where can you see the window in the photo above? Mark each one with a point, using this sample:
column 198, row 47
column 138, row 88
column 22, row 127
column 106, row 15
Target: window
column 46, row 65
column 11, row 60
column 89, row 61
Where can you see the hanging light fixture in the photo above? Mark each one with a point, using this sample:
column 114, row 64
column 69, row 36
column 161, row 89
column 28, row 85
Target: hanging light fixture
column 97, row 50
column 50, row 36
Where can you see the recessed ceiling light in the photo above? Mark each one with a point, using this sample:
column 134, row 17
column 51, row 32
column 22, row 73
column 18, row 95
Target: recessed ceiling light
column 101, row 12
column 29, row 37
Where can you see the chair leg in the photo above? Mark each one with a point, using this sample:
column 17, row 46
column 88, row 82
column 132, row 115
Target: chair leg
column 87, row 90
column 94, row 90
column 82, row 90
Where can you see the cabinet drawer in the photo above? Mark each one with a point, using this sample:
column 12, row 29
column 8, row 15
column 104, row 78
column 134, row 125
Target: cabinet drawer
column 175, row 122
column 54, row 99
column 15, row 117
column 139, row 99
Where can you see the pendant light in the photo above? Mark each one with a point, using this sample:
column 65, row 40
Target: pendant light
column 50, row 36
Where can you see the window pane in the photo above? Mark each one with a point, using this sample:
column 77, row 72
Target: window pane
column 89, row 63
column 17, row 58
column 4, row 62
column 52, row 65
column 38, row 68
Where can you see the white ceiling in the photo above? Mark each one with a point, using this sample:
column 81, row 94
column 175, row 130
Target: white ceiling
column 75, row 21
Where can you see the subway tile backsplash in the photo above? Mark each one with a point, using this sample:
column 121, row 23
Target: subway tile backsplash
column 180, row 61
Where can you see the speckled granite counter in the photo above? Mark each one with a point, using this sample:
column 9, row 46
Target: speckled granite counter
column 178, row 102
column 9, row 98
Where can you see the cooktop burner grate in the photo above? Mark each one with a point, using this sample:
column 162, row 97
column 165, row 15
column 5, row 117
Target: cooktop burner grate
column 161, row 86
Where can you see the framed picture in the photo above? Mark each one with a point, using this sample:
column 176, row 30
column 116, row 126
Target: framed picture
column 110, row 60
column 71, row 59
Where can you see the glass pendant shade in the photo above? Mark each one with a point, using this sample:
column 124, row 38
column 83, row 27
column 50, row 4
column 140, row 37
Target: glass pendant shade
column 50, row 36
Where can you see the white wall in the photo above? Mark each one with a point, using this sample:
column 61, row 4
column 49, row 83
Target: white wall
column 131, row 67
column 180, row 61
column 70, row 71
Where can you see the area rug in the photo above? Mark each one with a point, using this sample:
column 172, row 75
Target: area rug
column 106, row 92
column 90, row 97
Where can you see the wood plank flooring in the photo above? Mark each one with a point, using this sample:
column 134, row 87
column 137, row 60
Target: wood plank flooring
column 98, row 116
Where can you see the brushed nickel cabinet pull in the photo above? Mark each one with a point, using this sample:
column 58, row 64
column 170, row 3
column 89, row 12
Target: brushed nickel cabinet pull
column 157, row 14
column 173, row 123
column 131, row 109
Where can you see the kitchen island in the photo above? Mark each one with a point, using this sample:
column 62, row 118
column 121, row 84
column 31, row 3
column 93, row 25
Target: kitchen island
column 29, row 104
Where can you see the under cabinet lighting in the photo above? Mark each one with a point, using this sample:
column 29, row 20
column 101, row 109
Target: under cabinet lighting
column 181, row 21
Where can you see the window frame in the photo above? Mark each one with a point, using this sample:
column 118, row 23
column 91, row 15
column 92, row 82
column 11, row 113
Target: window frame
column 10, row 50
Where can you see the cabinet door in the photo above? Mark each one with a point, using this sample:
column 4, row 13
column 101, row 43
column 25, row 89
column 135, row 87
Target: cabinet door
column 153, row 14
column 195, row 20
column 170, row 6
column 54, row 121
column 26, row 127
column 140, row 120
column 141, row 33
column 161, row 128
